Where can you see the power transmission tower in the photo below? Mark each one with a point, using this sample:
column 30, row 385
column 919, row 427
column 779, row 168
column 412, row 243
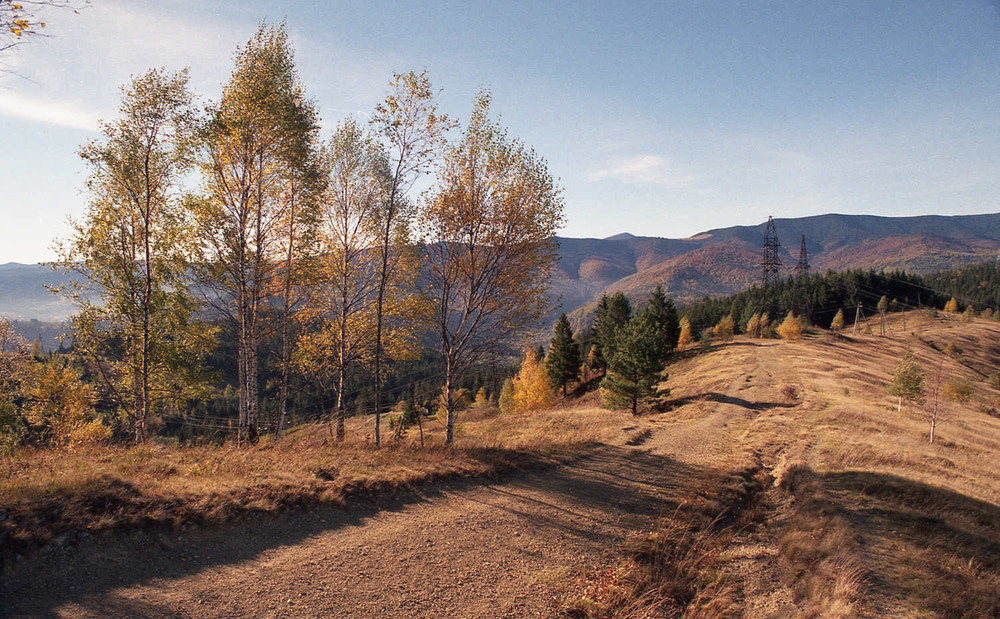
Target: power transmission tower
column 772, row 263
column 802, row 268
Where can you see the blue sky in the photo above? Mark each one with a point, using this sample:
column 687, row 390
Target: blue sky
column 660, row 118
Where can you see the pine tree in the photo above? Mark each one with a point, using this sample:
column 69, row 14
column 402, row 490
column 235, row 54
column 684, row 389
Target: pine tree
column 613, row 316
column 634, row 370
column 563, row 361
column 595, row 356
column 662, row 312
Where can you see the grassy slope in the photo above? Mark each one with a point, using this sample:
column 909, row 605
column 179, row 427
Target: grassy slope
column 815, row 497
column 814, row 492
column 870, row 518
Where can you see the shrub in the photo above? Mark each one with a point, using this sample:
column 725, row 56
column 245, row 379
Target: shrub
column 62, row 406
column 994, row 380
column 482, row 399
column 960, row 391
column 753, row 325
column 790, row 328
column 986, row 314
column 968, row 314
column 951, row 306
column 725, row 329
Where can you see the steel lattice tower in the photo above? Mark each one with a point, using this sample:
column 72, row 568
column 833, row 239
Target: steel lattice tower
column 771, row 263
column 802, row 268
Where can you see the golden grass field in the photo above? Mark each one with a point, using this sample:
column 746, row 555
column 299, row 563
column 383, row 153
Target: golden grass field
column 808, row 493
column 868, row 518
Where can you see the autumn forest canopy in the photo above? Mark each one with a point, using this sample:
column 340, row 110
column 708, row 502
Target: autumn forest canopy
column 301, row 272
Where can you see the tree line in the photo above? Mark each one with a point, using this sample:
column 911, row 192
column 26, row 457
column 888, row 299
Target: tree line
column 237, row 220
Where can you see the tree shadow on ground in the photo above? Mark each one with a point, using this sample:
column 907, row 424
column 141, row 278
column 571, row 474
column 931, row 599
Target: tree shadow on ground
column 931, row 545
column 721, row 398
column 609, row 485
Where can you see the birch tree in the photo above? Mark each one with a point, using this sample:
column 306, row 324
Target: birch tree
column 257, row 132
column 490, row 228
column 345, row 322
column 135, row 313
column 414, row 134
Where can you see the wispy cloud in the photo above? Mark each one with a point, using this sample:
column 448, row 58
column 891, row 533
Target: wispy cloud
column 52, row 112
column 645, row 170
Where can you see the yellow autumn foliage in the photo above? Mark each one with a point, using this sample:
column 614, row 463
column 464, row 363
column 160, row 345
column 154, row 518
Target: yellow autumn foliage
column 685, row 339
column 532, row 389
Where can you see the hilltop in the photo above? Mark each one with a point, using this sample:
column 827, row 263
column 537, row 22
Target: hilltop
column 787, row 483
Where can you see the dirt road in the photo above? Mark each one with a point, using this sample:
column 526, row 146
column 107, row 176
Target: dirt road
column 470, row 549
column 507, row 548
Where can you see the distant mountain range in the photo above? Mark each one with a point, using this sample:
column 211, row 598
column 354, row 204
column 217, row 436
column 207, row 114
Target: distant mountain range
column 727, row 260
column 716, row 262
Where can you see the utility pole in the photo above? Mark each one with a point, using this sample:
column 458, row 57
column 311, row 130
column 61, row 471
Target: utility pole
column 771, row 263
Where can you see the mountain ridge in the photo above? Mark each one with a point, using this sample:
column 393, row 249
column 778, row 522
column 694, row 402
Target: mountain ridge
column 715, row 262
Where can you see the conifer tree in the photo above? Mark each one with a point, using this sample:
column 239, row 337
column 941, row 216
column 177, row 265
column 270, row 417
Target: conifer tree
column 613, row 315
column 635, row 368
column 685, row 339
column 791, row 327
column 506, row 400
column 662, row 312
column 838, row 321
column 907, row 382
column 532, row 389
column 563, row 360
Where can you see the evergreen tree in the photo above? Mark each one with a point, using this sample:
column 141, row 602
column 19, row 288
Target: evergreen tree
column 613, row 315
column 595, row 354
column 662, row 312
column 634, row 369
column 563, row 362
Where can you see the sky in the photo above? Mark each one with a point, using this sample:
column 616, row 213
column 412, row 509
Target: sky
column 659, row 119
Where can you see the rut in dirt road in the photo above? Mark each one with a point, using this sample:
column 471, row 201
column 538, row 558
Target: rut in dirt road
column 506, row 548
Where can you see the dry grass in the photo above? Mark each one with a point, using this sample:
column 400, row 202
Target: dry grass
column 876, row 521
column 674, row 570
column 61, row 494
